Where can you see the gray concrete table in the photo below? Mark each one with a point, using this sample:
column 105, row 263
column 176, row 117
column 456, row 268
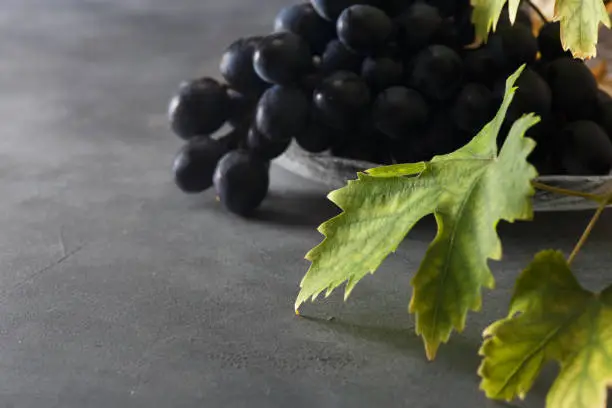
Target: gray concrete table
column 118, row 291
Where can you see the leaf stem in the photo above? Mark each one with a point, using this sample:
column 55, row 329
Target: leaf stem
column 587, row 231
column 537, row 10
column 571, row 193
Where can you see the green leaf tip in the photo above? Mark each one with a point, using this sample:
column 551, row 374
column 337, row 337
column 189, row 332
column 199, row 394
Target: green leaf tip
column 468, row 191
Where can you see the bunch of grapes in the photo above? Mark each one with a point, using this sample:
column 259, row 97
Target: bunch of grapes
column 385, row 81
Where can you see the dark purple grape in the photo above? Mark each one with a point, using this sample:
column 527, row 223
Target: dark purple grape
column 241, row 107
column 382, row 73
column 532, row 96
column 282, row 58
column 574, row 88
column 317, row 137
column 364, row 29
column 199, row 108
column 337, row 57
column 331, row 9
column 263, row 147
column 303, row 20
column 282, row 113
column 586, row 149
column 194, row 165
column 341, row 98
column 237, row 67
column 549, row 42
column 480, row 66
column 418, row 25
column 513, row 46
column 437, row 73
column 241, row 181
column 399, row 112
column 473, row 108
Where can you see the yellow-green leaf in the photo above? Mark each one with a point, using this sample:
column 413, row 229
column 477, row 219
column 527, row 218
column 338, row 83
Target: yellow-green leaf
column 468, row 191
column 486, row 13
column 551, row 318
column 580, row 25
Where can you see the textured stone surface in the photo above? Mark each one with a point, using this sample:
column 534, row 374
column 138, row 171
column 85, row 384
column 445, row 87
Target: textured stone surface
column 117, row 291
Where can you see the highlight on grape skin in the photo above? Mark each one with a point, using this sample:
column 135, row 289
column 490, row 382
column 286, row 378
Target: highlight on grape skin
column 383, row 82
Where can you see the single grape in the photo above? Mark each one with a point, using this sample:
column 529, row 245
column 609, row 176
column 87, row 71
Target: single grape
column 340, row 99
column 331, row 9
column 586, row 149
column 304, row 21
column 241, row 181
column 382, row 73
column 237, row 67
column 549, row 42
column 282, row 58
column 282, row 113
column 418, row 25
column 194, row 165
column 364, row 29
column 533, row 95
column 241, row 108
column 437, row 73
column 317, row 137
column 200, row 107
column 574, row 89
column 480, row 66
column 473, row 108
column 337, row 57
column 263, row 147
column 399, row 112
column 513, row 46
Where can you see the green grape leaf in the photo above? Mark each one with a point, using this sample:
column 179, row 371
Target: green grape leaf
column 486, row 13
column 468, row 191
column 551, row 318
column 580, row 25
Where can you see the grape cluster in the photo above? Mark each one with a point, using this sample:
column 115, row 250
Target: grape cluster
column 386, row 81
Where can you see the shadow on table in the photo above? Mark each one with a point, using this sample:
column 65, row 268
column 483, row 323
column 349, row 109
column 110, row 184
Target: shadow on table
column 296, row 209
column 460, row 354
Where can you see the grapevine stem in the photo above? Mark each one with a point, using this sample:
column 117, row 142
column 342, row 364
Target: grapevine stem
column 572, row 193
column 537, row 10
column 587, row 231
